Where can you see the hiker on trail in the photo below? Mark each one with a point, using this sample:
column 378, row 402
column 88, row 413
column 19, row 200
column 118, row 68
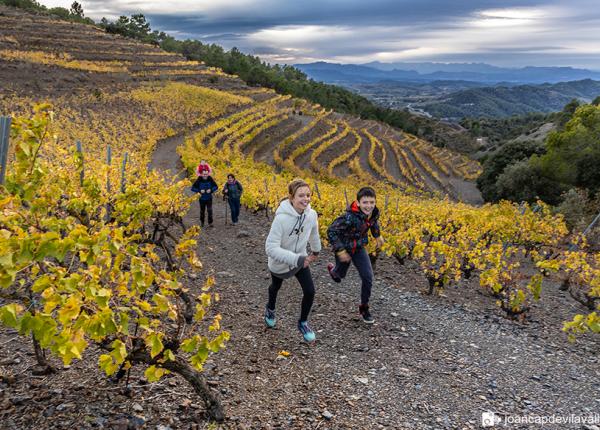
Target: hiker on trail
column 295, row 225
column 206, row 186
column 232, row 190
column 348, row 236
column 203, row 166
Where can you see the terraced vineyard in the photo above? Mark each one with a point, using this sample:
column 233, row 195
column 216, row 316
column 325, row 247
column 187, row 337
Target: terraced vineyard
column 333, row 146
column 33, row 49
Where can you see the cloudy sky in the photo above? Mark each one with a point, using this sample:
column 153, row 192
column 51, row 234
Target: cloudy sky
column 506, row 33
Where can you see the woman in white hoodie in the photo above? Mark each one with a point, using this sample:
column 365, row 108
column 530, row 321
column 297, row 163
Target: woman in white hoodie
column 295, row 225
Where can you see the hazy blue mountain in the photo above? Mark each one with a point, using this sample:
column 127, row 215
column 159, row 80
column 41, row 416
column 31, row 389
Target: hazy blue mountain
column 351, row 73
column 427, row 72
column 532, row 75
column 429, row 67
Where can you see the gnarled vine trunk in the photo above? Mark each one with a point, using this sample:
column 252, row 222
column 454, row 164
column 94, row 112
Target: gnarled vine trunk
column 213, row 405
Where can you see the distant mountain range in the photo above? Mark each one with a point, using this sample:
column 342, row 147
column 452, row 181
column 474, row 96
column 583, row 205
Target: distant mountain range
column 458, row 90
column 427, row 72
column 429, row 67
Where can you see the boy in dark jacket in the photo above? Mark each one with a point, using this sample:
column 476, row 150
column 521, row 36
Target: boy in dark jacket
column 348, row 235
column 206, row 186
column 233, row 191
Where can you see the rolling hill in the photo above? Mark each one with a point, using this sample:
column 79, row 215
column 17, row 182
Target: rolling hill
column 501, row 101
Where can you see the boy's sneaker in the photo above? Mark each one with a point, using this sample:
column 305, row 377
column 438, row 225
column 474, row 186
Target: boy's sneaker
column 366, row 315
column 306, row 331
column 333, row 275
column 270, row 319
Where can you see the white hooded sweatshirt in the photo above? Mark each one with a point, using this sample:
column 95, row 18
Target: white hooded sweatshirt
column 288, row 237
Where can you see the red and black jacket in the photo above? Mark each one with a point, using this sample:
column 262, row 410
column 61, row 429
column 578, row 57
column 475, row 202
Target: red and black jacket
column 350, row 231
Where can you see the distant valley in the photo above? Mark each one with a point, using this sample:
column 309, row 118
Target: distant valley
column 484, row 90
column 453, row 100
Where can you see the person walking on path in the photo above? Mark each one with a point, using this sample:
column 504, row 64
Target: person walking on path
column 206, row 186
column 232, row 190
column 295, row 225
column 348, row 236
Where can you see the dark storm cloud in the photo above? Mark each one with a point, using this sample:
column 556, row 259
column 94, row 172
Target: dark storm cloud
column 256, row 15
column 540, row 31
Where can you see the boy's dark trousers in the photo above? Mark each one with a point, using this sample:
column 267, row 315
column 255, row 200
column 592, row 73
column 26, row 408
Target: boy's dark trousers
column 234, row 204
column 206, row 205
column 362, row 262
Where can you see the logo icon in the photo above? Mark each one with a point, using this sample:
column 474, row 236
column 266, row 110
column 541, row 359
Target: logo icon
column 489, row 419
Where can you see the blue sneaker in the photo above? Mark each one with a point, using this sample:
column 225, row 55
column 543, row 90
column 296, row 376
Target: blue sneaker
column 270, row 319
column 306, row 331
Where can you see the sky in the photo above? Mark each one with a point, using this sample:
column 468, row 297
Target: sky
column 510, row 33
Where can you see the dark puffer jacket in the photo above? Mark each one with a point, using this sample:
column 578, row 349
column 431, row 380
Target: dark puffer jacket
column 350, row 231
column 205, row 187
column 234, row 190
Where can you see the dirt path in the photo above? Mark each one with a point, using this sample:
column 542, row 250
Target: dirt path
column 426, row 363
column 167, row 162
column 467, row 191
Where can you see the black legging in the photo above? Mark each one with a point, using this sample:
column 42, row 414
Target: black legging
column 308, row 290
column 206, row 205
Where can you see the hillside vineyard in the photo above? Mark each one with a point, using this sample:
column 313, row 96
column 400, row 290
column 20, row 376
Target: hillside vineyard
column 95, row 254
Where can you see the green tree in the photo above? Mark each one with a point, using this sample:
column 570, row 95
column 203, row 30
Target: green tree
column 138, row 27
column 567, row 113
column 574, row 207
column 524, row 181
column 76, row 10
column 24, row 4
column 573, row 153
column 588, row 171
column 61, row 12
column 135, row 27
column 495, row 165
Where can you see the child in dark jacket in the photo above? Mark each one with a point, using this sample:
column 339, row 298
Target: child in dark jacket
column 348, row 235
column 233, row 191
column 206, row 186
